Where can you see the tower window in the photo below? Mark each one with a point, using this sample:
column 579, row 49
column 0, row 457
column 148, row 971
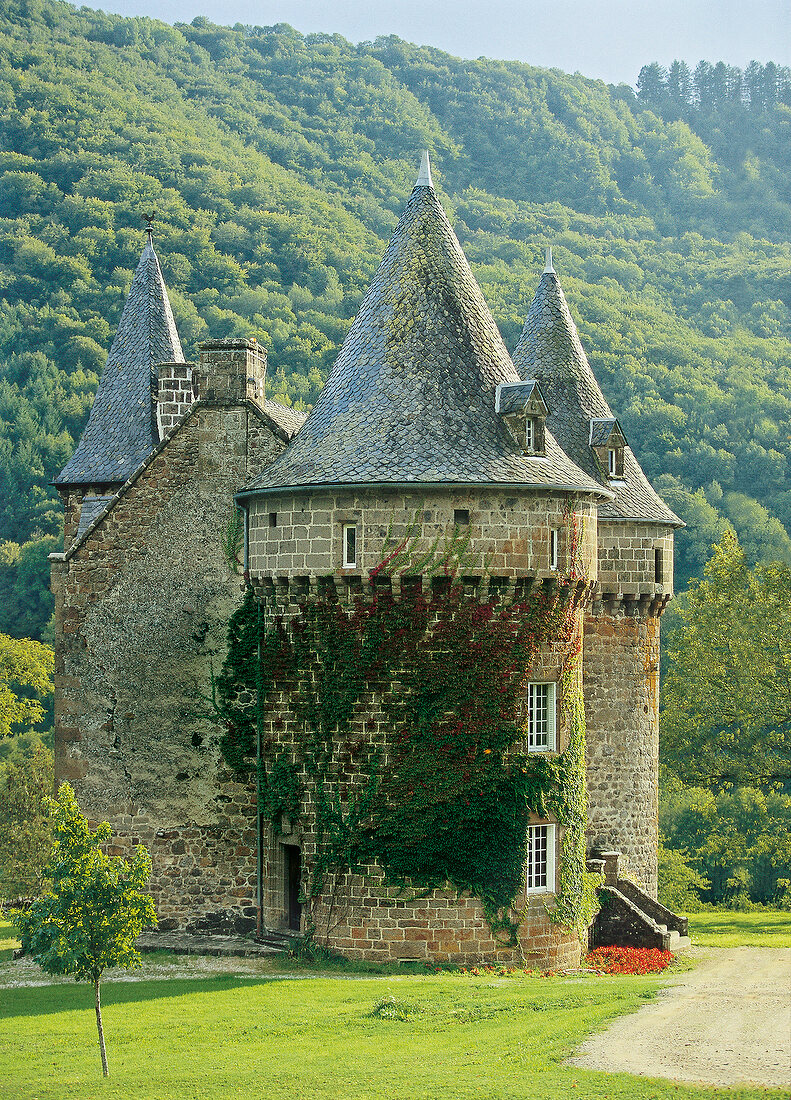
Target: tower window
column 658, row 572
column 553, row 548
column 540, row 864
column 461, row 517
column 349, row 545
column 612, row 461
column 273, row 519
column 541, row 717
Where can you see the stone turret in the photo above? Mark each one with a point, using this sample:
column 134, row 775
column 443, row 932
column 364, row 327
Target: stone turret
column 635, row 581
column 122, row 429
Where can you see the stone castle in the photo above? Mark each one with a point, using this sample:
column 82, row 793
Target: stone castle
column 189, row 487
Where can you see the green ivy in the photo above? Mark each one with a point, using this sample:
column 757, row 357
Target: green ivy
column 441, row 794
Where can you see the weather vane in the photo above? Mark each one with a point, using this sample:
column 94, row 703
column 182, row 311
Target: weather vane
column 149, row 220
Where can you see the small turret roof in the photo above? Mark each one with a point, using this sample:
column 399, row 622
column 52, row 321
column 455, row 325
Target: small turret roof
column 411, row 398
column 122, row 429
column 550, row 351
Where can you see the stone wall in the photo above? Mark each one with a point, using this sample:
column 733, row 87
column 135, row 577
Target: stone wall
column 359, row 914
column 628, row 558
column 301, row 533
column 621, row 690
column 363, row 918
column 142, row 606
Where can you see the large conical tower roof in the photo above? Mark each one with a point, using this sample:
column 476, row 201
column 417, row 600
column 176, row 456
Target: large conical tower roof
column 550, row 351
column 411, row 398
column 122, row 430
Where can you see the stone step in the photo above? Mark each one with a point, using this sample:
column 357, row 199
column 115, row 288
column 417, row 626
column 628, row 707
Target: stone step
column 679, row 942
column 186, row 943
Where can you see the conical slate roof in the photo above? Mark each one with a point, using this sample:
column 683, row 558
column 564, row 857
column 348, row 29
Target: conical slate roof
column 411, row 398
column 550, row 351
column 122, row 430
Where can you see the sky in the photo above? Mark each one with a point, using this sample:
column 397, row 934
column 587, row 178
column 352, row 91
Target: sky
column 608, row 39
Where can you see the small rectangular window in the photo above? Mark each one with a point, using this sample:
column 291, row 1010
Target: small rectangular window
column 540, row 865
column 612, row 462
column 658, row 565
column 349, row 545
column 541, row 717
column 273, row 519
column 553, row 548
column 461, row 517
column 530, row 433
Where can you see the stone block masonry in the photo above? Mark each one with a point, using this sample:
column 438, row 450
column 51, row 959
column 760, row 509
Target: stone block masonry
column 176, row 394
column 366, row 919
column 142, row 605
column 505, row 533
column 621, row 690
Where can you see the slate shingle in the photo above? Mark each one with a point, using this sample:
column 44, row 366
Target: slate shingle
column 411, row 396
column 550, row 351
column 91, row 508
column 122, row 430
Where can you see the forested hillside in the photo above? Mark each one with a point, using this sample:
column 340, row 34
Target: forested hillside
column 278, row 165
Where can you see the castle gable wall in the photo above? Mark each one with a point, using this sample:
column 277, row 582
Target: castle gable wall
column 142, row 606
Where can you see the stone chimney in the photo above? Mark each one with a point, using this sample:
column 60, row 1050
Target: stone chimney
column 176, row 392
column 232, row 371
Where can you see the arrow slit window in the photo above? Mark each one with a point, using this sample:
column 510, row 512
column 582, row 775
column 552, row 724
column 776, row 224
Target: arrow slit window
column 350, row 547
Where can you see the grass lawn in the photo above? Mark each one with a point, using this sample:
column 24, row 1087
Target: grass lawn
column 319, row 1039
column 723, row 928
column 259, row 1035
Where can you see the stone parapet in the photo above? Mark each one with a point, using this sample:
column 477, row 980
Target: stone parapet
column 502, row 532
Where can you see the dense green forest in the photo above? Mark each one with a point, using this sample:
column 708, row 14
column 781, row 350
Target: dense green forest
column 278, row 165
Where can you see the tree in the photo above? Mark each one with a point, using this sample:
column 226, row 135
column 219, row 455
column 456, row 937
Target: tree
column 25, row 826
column 25, row 666
column 727, row 714
column 94, row 909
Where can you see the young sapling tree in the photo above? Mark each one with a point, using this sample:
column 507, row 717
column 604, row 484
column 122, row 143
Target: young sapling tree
column 94, row 906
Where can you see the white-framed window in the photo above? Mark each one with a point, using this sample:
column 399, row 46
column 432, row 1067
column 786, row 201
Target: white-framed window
column 350, row 548
column 530, row 433
column 612, row 461
column 541, row 717
column 540, row 863
column 553, row 548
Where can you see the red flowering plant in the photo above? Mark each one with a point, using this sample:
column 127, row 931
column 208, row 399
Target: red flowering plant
column 629, row 960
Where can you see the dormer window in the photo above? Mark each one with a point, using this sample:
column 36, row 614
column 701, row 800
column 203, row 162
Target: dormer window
column 523, row 411
column 608, row 444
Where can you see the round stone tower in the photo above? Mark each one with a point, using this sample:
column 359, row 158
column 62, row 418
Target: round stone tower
column 426, row 461
column 634, row 584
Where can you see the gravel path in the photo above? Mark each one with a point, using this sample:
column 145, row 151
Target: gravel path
column 727, row 1022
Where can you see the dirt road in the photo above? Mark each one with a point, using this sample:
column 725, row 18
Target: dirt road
column 728, row 1022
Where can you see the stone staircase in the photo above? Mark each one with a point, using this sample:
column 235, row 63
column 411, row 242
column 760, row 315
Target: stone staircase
column 629, row 917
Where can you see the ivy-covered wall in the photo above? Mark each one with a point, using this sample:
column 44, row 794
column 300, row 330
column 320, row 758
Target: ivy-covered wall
column 392, row 727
